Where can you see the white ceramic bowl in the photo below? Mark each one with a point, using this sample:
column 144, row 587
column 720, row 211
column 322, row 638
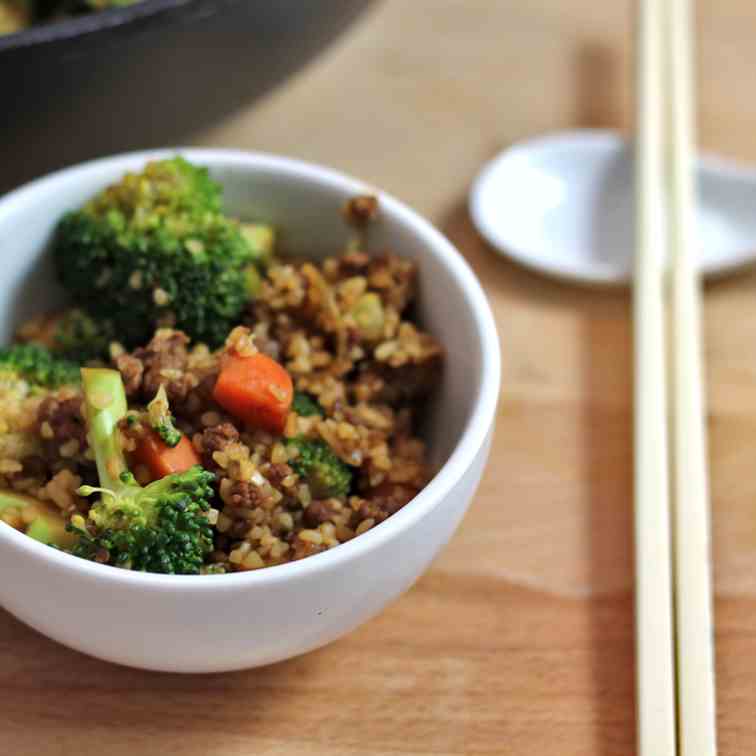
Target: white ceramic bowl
column 227, row 622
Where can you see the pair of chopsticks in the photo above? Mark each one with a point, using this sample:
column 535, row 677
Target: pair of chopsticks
column 674, row 641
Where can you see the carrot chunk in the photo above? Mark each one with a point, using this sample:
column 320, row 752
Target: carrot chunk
column 162, row 459
column 256, row 390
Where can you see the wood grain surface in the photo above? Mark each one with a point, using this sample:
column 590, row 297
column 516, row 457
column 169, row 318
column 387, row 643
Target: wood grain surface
column 519, row 639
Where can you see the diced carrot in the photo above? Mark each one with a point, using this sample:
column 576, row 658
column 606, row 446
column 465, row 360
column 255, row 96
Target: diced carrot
column 256, row 390
column 162, row 459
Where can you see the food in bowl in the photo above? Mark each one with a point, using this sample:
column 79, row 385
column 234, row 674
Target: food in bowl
column 205, row 405
column 265, row 615
column 16, row 15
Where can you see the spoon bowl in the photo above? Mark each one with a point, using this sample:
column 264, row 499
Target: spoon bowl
column 564, row 205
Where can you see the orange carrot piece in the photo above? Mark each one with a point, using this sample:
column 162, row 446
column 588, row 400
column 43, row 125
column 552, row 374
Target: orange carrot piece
column 256, row 390
column 162, row 459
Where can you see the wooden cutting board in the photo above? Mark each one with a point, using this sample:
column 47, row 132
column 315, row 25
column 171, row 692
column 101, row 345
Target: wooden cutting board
column 519, row 640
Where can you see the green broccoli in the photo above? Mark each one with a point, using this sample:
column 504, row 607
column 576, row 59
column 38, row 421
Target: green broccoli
column 28, row 372
column 305, row 405
column 369, row 316
column 37, row 366
column 79, row 337
column 162, row 527
column 262, row 241
column 40, row 520
column 161, row 419
column 155, row 249
column 71, row 334
column 322, row 470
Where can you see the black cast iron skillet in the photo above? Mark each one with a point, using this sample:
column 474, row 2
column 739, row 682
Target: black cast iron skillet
column 147, row 75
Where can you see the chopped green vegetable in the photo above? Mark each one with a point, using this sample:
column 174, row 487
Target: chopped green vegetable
column 155, row 249
column 79, row 337
column 28, row 370
column 162, row 527
column 262, row 241
column 46, row 525
column 40, row 531
column 254, row 281
column 368, row 314
column 325, row 474
column 161, row 419
column 305, row 405
column 37, row 366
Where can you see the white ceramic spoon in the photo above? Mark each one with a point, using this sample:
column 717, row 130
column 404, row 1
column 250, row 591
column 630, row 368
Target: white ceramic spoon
column 563, row 205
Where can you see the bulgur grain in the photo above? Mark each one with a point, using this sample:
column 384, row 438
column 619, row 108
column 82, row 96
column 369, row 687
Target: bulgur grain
column 253, row 561
column 363, row 372
column 311, row 536
column 69, row 449
column 364, row 526
column 160, row 297
column 210, row 419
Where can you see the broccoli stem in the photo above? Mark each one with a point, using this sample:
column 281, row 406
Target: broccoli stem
column 161, row 527
column 105, row 405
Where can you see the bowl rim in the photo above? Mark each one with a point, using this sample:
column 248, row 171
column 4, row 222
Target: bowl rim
column 469, row 445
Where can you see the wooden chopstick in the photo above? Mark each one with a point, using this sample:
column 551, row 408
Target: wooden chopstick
column 693, row 627
column 653, row 560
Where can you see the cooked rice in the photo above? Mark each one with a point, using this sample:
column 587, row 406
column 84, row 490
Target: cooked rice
column 344, row 331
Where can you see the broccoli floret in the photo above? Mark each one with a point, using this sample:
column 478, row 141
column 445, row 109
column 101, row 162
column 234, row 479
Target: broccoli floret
column 369, row 316
column 28, row 372
column 37, row 366
column 155, row 249
column 305, row 406
column 262, row 241
column 71, row 334
column 325, row 474
column 161, row 527
column 161, row 419
column 79, row 337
